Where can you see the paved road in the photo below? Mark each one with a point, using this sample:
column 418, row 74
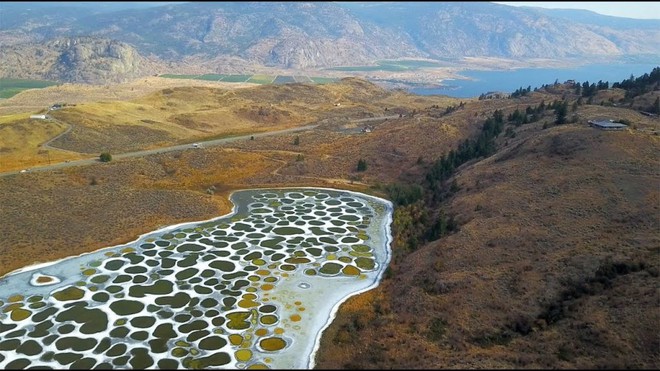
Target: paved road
column 376, row 118
column 201, row 144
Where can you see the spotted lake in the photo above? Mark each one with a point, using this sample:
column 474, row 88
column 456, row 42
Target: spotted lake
column 252, row 289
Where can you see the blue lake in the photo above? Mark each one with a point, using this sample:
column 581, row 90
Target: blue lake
column 508, row 81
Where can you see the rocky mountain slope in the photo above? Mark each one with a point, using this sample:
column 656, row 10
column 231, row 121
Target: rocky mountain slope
column 483, row 29
column 80, row 59
column 322, row 34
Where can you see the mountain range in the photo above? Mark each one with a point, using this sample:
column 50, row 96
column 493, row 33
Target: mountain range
column 118, row 41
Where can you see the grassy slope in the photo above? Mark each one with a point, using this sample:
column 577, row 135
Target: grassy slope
column 21, row 139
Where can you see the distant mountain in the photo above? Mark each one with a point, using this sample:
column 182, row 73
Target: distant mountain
column 293, row 34
column 591, row 18
column 486, row 29
column 302, row 35
column 80, row 59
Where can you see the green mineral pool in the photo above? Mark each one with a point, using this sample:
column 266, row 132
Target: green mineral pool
column 252, row 289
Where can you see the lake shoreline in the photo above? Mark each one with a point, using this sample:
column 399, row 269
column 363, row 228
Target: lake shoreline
column 474, row 82
column 377, row 226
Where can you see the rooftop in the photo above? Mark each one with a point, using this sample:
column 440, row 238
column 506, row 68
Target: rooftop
column 608, row 124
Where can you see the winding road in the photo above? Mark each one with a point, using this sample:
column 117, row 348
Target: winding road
column 201, row 144
column 47, row 143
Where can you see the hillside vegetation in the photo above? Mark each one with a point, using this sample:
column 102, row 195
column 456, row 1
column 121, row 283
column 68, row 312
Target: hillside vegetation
column 532, row 245
column 523, row 237
column 186, row 114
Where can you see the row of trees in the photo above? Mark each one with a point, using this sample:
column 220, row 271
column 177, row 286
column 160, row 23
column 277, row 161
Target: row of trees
column 453, row 108
column 633, row 86
column 640, row 85
column 521, row 92
column 531, row 114
column 417, row 216
column 589, row 90
column 483, row 145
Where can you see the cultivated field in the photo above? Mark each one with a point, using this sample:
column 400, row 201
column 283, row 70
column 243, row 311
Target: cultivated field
column 11, row 87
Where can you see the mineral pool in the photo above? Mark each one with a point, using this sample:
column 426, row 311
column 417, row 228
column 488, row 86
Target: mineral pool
column 252, row 289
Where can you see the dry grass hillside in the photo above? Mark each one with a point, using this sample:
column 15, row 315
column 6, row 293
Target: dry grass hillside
column 21, row 142
column 168, row 117
column 33, row 100
column 178, row 182
column 183, row 114
column 22, row 139
column 553, row 264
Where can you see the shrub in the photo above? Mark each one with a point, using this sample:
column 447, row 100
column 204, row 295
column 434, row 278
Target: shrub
column 437, row 328
column 105, row 157
column 361, row 165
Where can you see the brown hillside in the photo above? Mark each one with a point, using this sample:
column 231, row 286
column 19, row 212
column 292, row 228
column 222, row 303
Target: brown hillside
column 329, row 156
column 555, row 265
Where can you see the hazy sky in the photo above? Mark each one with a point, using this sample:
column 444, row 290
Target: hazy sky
column 628, row 9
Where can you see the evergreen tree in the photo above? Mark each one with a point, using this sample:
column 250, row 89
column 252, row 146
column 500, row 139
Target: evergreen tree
column 541, row 107
column 561, row 111
column 439, row 228
column 361, row 165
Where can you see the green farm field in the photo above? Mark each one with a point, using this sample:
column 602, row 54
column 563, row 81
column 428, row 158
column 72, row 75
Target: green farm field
column 261, row 79
column 11, row 87
column 392, row 66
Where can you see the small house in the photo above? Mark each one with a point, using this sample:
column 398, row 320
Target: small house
column 607, row 125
